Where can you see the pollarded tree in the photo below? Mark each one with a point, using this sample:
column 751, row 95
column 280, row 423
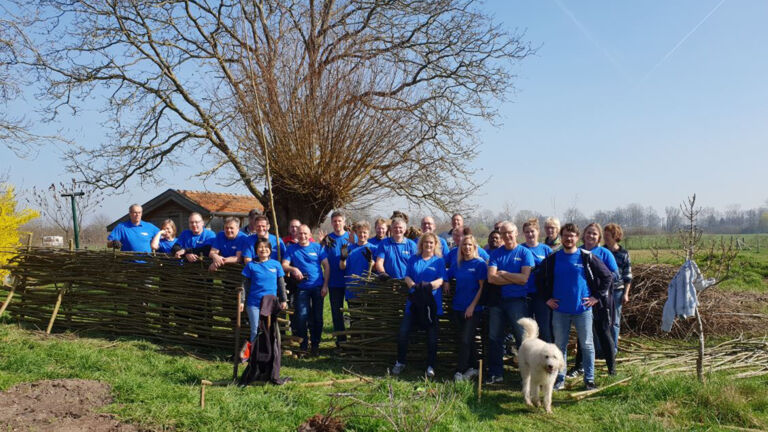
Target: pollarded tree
column 349, row 101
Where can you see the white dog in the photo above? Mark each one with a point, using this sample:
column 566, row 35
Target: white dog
column 539, row 364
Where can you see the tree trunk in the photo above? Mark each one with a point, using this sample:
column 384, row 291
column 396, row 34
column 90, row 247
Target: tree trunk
column 291, row 205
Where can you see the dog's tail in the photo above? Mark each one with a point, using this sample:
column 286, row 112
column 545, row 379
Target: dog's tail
column 530, row 328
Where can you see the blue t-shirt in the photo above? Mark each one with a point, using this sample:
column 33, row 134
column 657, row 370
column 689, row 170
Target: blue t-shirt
column 396, row 255
column 334, row 256
column 606, row 256
column 249, row 242
column 135, row 238
column 166, row 245
column 468, row 276
column 453, row 256
column 309, row 260
column 226, row 247
column 421, row 270
column 570, row 285
column 375, row 241
column 539, row 252
column 511, row 261
column 187, row 240
column 263, row 276
column 357, row 265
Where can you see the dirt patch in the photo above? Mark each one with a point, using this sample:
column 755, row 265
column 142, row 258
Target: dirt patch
column 58, row 405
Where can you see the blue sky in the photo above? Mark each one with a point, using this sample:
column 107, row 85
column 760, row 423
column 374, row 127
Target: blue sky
column 624, row 102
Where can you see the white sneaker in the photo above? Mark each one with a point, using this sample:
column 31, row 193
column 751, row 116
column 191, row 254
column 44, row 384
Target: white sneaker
column 430, row 372
column 458, row 377
column 399, row 367
column 470, row 373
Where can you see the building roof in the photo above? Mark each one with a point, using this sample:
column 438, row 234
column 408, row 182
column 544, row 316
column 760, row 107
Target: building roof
column 216, row 202
column 208, row 204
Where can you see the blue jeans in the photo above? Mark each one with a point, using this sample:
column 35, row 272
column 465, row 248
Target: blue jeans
column 402, row 340
column 253, row 319
column 618, row 302
column 336, row 295
column 309, row 313
column 543, row 315
column 561, row 326
column 502, row 316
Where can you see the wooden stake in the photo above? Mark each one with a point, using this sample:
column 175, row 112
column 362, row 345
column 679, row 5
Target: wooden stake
column 203, row 383
column 236, row 354
column 8, row 299
column 480, row 380
column 584, row 394
column 55, row 310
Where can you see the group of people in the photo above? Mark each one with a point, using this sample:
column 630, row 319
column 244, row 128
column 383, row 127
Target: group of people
column 556, row 281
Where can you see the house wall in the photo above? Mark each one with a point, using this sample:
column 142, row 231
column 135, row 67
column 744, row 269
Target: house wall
column 171, row 210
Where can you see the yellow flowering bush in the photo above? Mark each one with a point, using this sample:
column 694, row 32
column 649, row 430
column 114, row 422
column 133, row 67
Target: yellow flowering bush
column 10, row 221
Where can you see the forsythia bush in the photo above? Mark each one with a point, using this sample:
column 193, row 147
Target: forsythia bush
column 10, row 221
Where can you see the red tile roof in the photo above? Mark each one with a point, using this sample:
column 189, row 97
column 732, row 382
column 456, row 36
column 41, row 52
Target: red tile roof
column 223, row 202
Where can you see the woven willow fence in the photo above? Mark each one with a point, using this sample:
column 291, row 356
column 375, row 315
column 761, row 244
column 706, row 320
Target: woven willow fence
column 152, row 297
column 159, row 298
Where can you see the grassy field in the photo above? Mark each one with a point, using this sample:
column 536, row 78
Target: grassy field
column 158, row 387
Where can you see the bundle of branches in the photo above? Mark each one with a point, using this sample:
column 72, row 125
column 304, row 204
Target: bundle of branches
column 152, row 297
column 723, row 313
column 747, row 356
column 375, row 316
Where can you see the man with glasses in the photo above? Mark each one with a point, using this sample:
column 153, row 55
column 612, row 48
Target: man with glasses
column 196, row 240
column 509, row 267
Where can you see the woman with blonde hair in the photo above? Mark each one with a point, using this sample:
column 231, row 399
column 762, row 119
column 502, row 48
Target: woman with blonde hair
column 424, row 277
column 164, row 240
column 552, row 231
column 470, row 272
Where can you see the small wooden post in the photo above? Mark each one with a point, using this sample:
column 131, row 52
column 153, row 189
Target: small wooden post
column 8, row 299
column 480, row 380
column 203, row 383
column 55, row 310
column 236, row 355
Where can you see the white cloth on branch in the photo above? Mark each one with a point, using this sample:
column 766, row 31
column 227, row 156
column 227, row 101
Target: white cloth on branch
column 682, row 298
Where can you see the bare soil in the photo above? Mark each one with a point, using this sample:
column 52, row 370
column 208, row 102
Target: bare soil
column 58, row 405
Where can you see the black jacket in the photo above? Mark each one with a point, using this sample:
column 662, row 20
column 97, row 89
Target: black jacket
column 423, row 305
column 599, row 280
column 264, row 364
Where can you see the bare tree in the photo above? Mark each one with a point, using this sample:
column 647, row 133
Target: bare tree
column 57, row 210
column 347, row 101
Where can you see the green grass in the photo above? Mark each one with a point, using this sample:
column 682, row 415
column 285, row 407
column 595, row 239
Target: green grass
column 159, row 389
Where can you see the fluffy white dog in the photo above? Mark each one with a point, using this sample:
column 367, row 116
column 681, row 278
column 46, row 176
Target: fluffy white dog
column 539, row 364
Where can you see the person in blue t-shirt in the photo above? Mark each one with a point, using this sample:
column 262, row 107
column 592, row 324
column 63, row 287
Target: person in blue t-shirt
column 576, row 284
column 133, row 235
column 428, row 225
column 509, row 267
column 337, row 243
column 393, row 252
column 381, row 231
column 537, row 305
column 261, row 277
column 427, row 270
column 470, row 272
column 359, row 262
column 225, row 248
column 261, row 230
column 195, row 240
column 453, row 254
column 602, row 326
column 307, row 263
column 165, row 239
